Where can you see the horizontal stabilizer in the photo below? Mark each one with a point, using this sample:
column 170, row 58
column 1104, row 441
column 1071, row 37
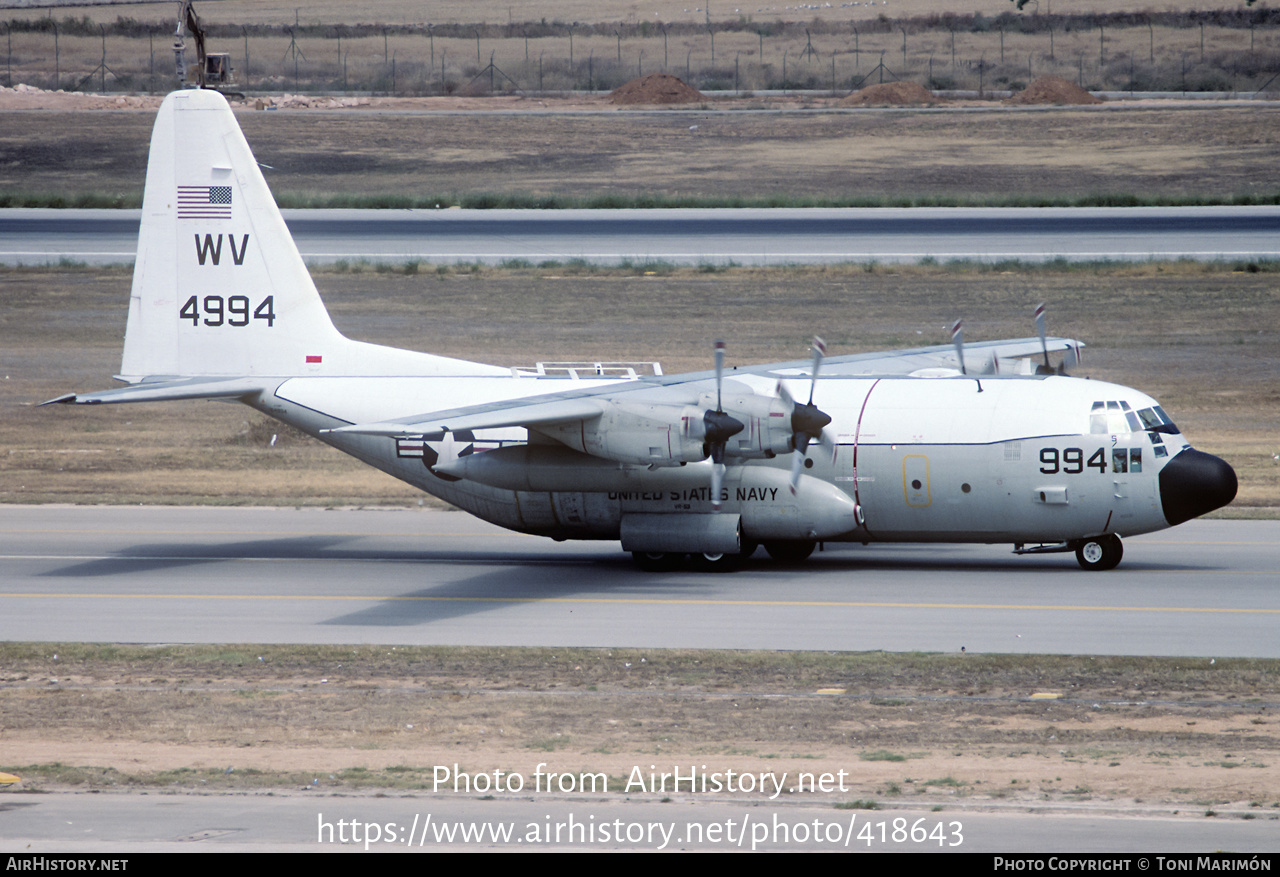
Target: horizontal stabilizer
column 169, row 391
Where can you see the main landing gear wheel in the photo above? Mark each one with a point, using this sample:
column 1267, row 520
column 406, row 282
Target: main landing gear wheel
column 654, row 561
column 790, row 552
column 716, row 562
column 1099, row 553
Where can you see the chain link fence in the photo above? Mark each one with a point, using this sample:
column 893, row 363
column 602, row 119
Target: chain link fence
column 1235, row 52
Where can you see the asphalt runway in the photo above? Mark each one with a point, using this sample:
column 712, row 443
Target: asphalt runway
column 302, row 821
column 224, row 575
column 747, row 237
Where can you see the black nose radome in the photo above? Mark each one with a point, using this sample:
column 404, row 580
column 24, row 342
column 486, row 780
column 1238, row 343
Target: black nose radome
column 1193, row 483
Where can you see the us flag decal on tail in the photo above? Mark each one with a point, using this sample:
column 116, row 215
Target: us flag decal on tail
column 204, row 202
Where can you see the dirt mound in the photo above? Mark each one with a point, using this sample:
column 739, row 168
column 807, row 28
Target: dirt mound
column 891, row 94
column 29, row 97
column 656, row 88
column 1052, row 90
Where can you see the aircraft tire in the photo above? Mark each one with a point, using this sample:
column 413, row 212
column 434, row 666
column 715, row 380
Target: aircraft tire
column 1100, row 553
column 717, row 562
column 790, row 552
column 653, row 561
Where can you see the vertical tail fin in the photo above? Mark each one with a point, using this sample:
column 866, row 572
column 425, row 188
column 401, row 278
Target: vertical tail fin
column 219, row 287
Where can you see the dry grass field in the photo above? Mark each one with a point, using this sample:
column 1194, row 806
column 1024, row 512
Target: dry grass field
column 1202, row 339
column 1160, row 736
column 972, row 156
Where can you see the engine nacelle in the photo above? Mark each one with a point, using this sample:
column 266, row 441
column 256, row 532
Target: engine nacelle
column 636, row 432
column 651, row 434
column 766, row 421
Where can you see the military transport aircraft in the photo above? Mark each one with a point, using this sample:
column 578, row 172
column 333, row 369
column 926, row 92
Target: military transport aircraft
column 909, row 446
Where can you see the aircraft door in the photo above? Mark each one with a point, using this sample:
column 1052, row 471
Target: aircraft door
column 915, row 480
column 844, row 471
column 1126, row 470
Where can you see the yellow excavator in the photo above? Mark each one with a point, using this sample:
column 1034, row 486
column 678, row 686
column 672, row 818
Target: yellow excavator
column 212, row 69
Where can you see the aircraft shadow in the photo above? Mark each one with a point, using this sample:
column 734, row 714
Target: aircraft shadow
column 511, row 577
column 136, row 559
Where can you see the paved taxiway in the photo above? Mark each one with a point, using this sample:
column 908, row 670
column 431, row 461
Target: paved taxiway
column 214, row 575
column 124, row 823
column 748, row 237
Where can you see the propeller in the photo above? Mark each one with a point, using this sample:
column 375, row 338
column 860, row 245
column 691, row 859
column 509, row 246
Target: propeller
column 718, row 429
column 807, row 420
column 957, row 338
column 1069, row 359
column 1044, row 346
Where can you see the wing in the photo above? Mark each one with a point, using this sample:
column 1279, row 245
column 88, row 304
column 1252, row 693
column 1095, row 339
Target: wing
column 553, row 410
column 984, row 357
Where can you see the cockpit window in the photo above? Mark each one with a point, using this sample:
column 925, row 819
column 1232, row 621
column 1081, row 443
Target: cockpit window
column 1155, row 418
column 1118, row 417
column 1116, row 421
column 1098, row 419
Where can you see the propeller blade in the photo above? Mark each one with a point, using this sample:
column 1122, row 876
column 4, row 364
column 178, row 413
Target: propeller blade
column 819, row 351
column 1040, row 331
column 719, row 356
column 797, row 464
column 719, row 428
column 828, row 443
column 808, row 421
column 785, row 396
column 1071, row 358
column 957, row 338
